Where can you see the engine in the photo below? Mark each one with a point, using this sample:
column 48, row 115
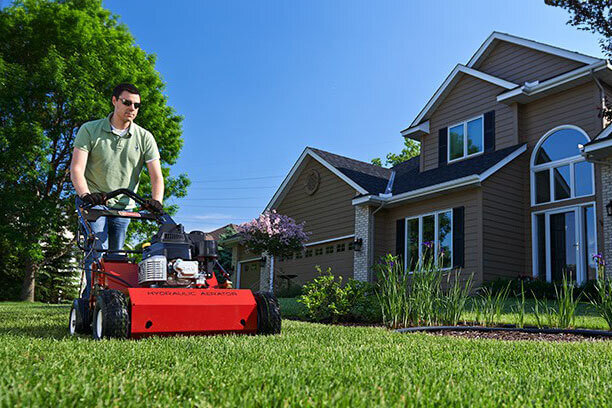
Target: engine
column 179, row 259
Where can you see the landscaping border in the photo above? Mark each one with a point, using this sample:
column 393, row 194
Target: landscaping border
column 581, row 332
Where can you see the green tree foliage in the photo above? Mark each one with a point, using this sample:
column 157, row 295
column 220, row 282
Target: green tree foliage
column 594, row 16
column 591, row 15
column 411, row 149
column 59, row 61
column 225, row 254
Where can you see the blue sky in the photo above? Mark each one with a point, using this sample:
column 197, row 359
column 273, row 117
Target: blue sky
column 257, row 82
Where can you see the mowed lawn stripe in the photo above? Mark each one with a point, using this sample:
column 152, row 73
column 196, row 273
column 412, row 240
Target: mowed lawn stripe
column 307, row 365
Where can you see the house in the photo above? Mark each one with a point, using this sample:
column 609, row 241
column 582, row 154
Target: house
column 501, row 188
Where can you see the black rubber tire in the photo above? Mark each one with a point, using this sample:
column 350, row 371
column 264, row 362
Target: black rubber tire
column 112, row 309
column 82, row 323
column 268, row 313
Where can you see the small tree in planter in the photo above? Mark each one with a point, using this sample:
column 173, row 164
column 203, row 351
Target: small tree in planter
column 274, row 234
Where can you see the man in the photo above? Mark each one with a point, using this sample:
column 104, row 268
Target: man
column 109, row 154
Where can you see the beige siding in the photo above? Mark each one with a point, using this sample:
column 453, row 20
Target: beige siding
column 341, row 263
column 328, row 213
column 503, row 213
column 469, row 98
column 470, row 199
column 519, row 64
column 577, row 106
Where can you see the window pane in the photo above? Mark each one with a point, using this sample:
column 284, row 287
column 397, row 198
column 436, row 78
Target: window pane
column 542, row 186
column 445, row 239
column 475, row 136
column 429, row 238
column 456, row 142
column 561, row 144
column 561, row 176
column 591, row 241
column 413, row 243
column 583, row 178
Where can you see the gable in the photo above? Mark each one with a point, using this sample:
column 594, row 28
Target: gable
column 520, row 64
column 328, row 212
column 459, row 72
column 469, row 98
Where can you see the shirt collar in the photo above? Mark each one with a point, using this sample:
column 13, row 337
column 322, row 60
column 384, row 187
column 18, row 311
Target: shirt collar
column 106, row 126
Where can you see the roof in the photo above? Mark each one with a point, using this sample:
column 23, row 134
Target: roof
column 472, row 69
column 371, row 177
column 409, row 178
column 216, row 234
column 601, row 145
column 364, row 177
column 490, row 42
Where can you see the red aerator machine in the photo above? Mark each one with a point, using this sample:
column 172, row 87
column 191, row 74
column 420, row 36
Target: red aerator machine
column 178, row 287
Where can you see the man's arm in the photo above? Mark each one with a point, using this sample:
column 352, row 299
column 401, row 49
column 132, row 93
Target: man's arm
column 157, row 180
column 77, row 171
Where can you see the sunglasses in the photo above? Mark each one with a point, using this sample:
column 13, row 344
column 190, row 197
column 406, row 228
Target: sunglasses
column 127, row 102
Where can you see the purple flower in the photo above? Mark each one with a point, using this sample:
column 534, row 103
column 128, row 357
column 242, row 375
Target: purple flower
column 598, row 258
column 428, row 244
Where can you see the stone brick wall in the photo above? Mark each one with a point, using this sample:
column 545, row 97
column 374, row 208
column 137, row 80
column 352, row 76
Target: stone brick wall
column 606, row 183
column 364, row 230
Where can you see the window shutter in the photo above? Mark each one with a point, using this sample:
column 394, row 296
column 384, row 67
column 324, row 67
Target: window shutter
column 458, row 237
column 442, row 146
column 400, row 235
column 489, row 131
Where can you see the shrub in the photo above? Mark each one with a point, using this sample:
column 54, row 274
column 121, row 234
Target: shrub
column 327, row 300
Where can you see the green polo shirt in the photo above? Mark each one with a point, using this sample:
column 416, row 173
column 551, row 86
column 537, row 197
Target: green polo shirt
column 115, row 161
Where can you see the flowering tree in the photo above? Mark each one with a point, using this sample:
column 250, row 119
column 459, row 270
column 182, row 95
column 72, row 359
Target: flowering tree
column 276, row 234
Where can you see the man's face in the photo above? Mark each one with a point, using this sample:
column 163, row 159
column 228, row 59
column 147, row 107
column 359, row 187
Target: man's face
column 126, row 112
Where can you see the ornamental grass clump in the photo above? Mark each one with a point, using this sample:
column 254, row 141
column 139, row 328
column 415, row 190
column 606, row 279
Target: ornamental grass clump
column 490, row 305
column 392, row 293
column 417, row 298
column 602, row 300
column 567, row 304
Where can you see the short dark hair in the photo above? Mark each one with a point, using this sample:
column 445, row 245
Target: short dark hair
column 131, row 88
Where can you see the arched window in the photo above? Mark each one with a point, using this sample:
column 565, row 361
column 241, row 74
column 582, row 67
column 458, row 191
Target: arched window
column 558, row 171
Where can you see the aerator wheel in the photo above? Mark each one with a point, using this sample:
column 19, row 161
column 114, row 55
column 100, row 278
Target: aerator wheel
column 80, row 322
column 111, row 318
column 268, row 313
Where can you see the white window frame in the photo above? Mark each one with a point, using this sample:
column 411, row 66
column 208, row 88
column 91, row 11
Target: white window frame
column 436, row 238
column 465, row 140
column 550, row 166
column 581, row 250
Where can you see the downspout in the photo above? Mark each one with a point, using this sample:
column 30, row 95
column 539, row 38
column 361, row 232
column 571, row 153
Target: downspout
column 386, row 195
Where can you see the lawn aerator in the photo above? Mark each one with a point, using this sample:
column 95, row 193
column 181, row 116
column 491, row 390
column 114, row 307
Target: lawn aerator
column 179, row 287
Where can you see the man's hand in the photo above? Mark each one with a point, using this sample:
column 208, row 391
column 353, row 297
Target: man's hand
column 94, row 198
column 154, row 205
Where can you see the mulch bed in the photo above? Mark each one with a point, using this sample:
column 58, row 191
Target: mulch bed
column 516, row 335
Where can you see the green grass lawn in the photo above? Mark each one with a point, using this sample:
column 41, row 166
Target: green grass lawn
column 307, row 365
column 586, row 317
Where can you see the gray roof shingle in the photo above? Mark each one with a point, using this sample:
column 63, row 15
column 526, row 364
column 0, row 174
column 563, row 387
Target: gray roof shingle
column 374, row 178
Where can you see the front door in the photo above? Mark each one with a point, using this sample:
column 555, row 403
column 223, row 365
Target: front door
column 564, row 243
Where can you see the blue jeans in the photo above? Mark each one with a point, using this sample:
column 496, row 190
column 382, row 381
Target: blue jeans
column 110, row 234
